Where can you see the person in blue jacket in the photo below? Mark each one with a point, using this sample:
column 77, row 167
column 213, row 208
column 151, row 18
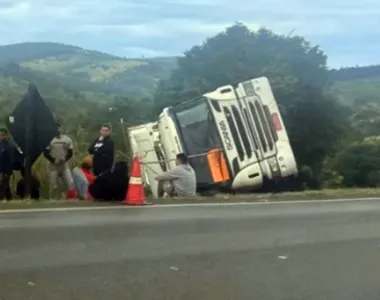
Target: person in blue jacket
column 6, row 164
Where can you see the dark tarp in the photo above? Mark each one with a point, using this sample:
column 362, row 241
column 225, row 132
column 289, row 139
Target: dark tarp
column 32, row 126
column 111, row 185
column 198, row 135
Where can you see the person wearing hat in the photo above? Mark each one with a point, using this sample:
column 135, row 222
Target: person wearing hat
column 58, row 153
column 86, row 167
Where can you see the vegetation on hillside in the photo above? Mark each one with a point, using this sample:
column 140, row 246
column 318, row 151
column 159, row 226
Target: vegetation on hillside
column 74, row 68
column 332, row 117
column 333, row 131
column 352, row 73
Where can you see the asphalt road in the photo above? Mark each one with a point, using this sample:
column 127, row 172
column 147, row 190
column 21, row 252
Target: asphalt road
column 276, row 251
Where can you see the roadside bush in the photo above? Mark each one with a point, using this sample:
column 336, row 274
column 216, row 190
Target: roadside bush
column 359, row 163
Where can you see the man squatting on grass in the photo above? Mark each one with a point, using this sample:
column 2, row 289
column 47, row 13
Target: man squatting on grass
column 179, row 181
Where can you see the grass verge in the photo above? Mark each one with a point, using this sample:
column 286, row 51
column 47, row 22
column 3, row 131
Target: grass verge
column 219, row 198
column 288, row 196
column 28, row 204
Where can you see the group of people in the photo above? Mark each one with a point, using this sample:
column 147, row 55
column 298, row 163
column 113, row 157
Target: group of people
column 108, row 182
column 97, row 177
column 90, row 173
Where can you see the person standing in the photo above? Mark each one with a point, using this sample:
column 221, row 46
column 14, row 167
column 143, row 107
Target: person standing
column 58, row 153
column 102, row 150
column 33, row 189
column 6, row 163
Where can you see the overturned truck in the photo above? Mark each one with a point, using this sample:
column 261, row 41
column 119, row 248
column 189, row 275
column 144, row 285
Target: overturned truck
column 234, row 136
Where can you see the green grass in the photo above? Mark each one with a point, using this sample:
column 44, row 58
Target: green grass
column 219, row 198
column 31, row 204
column 289, row 196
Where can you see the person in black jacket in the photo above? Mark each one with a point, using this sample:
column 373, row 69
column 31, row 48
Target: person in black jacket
column 34, row 186
column 103, row 151
column 111, row 185
column 6, row 164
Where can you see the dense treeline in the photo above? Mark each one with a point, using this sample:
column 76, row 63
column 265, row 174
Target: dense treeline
column 336, row 144
column 352, row 73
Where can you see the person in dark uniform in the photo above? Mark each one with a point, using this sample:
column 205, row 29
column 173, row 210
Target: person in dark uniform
column 34, row 186
column 111, row 185
column 6, row 164
column 102, row 150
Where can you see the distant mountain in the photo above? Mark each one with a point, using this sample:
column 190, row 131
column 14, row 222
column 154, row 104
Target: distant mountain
column 78, row 69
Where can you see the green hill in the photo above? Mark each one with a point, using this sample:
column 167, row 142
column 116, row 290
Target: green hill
column 55, row 66
column 74, row 68
column 87, row 88
column 357, row 84
column 358, row 90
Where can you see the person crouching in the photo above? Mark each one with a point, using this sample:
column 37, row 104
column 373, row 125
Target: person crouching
column 83, row 177
column 181, row 180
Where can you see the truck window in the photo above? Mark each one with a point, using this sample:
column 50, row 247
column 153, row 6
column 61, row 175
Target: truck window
column 195, row 114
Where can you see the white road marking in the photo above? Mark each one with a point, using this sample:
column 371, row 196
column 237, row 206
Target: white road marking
column 177, row 205
column 282, row 257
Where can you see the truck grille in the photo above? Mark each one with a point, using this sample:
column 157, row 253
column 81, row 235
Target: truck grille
column 262, row 132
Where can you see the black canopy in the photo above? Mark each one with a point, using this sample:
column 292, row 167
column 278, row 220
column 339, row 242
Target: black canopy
column 32, row 126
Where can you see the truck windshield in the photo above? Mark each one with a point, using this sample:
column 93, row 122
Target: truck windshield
column 198, row 134
column 197, row 113
column 197, row 126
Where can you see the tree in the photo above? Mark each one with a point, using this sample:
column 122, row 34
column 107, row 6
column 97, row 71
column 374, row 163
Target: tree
column 359, row 163
column 365, row 118
column 298, row 74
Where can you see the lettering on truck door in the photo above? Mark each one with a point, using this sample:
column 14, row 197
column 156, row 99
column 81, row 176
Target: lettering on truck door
column 225, row 135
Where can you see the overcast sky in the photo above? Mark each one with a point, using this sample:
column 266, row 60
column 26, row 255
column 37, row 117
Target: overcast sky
column 347, row 30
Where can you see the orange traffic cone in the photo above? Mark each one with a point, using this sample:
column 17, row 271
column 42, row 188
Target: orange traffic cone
column 135, row 194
